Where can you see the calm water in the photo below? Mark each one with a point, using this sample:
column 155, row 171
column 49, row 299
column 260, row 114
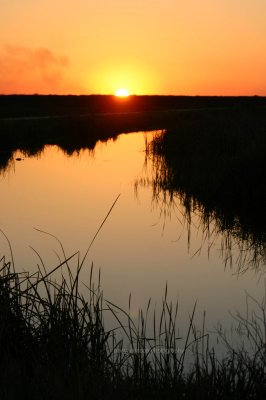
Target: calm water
column 140, row 247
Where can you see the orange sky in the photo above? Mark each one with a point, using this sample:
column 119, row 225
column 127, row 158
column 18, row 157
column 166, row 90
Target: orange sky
column 205, row 47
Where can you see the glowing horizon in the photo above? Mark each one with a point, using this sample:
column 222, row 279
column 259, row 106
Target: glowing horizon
column 121, row 92
column 163, row 47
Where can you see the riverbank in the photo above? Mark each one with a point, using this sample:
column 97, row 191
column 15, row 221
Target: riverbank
column 214, row 161
column 28, row 123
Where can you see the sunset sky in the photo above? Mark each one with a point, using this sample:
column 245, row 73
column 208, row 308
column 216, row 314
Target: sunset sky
column 189, row 47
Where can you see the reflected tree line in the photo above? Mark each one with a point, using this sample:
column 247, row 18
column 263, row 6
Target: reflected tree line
column 214, row 165
column 31, row 136
column 211, row 160
column 70, row 133
column 29, row 122
column 74, row 131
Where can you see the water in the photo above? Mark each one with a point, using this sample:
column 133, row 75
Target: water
column 139, row 248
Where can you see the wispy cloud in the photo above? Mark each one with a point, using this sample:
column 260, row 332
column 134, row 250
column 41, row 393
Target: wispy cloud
column 26, row 70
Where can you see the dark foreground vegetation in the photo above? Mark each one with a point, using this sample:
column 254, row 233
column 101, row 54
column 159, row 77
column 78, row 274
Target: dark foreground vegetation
column 214, row 162
column 53, row 340
column 54, row 345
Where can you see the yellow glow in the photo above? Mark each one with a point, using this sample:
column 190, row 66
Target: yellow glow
column 137, row 79
column 122, row 92
column 224, row 57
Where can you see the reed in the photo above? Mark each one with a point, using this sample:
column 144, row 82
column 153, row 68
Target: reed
column 54, row 344
column 213, row 162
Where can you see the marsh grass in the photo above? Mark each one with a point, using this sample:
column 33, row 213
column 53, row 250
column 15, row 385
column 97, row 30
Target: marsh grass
column 28, row 123
column 213, row 162
column 54, row 344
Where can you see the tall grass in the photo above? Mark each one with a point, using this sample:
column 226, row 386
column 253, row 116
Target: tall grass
column 213, row 163
column 54, row 344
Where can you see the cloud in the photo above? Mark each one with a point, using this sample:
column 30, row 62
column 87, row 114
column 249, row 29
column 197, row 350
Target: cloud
column 26, row 70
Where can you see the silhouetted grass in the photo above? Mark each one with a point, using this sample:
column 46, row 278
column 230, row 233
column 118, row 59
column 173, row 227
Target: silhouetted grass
column 73, row 133
column 28, row 123
column 214, row 161
column 53, row 340
column 54, row 344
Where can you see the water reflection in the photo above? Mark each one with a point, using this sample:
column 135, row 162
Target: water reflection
column 68, row 196
column 71, row 139
column 215, row 171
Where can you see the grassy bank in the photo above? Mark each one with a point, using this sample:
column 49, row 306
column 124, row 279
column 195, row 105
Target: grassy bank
column 215, row 162
column 54, row 344
column 72, row 133
column 28, row 123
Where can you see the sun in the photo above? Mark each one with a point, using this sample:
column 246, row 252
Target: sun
column 121, row 92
